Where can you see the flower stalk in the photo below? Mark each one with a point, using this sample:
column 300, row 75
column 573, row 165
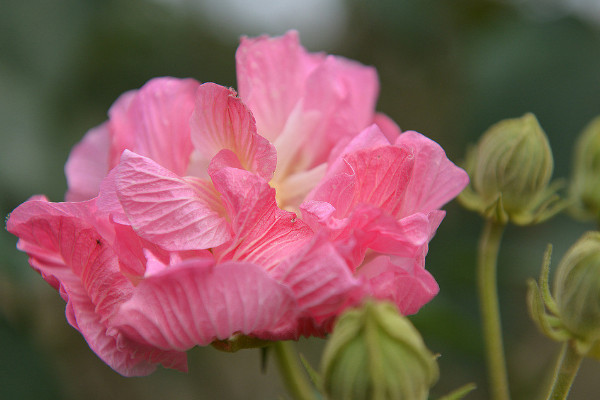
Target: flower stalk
column 490, row 311
column 291, row 372
column 565, row 372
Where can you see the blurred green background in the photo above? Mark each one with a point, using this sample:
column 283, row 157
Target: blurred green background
column 448, row 69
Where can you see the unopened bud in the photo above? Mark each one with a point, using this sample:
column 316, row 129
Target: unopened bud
column 375, row 353
column 585, row 183
column 577, row 289
column 510, row 170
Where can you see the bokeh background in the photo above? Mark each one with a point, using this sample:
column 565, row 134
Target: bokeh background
column 448, row 69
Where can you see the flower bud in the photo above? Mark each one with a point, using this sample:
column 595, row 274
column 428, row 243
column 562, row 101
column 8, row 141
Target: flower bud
column 510, row 170
column 577, row 289
column 375, row 353
column 585, row 184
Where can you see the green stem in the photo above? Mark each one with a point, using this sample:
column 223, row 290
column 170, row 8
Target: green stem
column 564, row 374
column 293, row 376
column 490, row 310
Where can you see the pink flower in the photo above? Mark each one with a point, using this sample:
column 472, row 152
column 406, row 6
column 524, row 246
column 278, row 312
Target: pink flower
column 195, row 215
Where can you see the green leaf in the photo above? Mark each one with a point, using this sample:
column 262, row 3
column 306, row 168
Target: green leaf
column 312, row 373
column 460, row 393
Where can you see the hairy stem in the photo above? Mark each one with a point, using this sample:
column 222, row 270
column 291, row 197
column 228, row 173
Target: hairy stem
column 490, row 311
column 564, row 374
column 291, row 372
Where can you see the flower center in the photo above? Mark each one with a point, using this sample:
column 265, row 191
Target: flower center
column 291, row 189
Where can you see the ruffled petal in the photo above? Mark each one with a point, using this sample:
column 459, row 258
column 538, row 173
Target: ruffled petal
column 107, row 202
column 370, row 138
column 262, row 232
column 271, row 75
column 388, row 127
column 122, row 127
column 125, row 356
column 88, row 164
column 308, row 102
column 435, row 180
column 154, row 122
column 136, row 255
column 221, row 121
column 197, row 302
column 173, row 212
column 368, row 227
column 361, row 200
column 374, row 176
column 344, row 93
column 404, row 281
column 320, row 279
column 382, row 195
column 65, row 245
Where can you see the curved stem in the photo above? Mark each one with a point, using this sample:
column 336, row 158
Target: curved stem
column 490, row 311
column 292, row 374
column 564, row 374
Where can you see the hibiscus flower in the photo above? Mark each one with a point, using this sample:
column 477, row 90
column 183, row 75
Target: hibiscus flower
column 195, row 215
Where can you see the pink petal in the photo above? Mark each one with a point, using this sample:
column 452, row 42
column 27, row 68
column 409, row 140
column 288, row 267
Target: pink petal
column 271, row 76
column 155, row 261
column 263, row 233
column 126, row 357
column 108, row 202
column 65, row 246
column 221, row 121
column 311, row 100
column 308, row 327
column 320, row 215
column 390, row 129
column 344, row 93
column 196, row 303
column 368, row 227
column 122, row 127
column 435, row 219
column 320, row 279
column 360, row 200
column 402, row 237
column 130, row 250
column 224, row 159
column 378, row 177
column 435, row 179
column 353, row 86
column 172, row 212
column 369, row 138
column 401, row 280
column 154, row 122
column 63, row 243
column 88, row 164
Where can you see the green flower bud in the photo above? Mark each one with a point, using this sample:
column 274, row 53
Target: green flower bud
column 585, row 184
column 375, row 353
column 577, row 289
column 510, row 170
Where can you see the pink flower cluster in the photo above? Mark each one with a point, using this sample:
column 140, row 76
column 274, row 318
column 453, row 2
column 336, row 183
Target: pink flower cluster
column 195, row 215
